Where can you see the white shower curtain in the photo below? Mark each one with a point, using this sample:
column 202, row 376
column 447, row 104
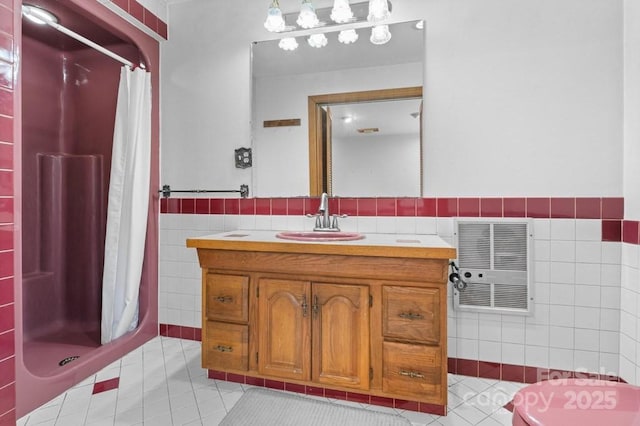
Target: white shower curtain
column 128, row 205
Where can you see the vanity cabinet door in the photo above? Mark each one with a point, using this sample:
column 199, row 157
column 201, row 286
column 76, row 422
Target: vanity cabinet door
column 341, row 335
column 284, row 316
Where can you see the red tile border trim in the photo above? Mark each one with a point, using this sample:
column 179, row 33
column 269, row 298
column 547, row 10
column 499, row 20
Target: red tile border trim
column 631, row 231
column 181, row 332
column 402, row 404
column 518, row 373
column 610, row 208
column 144, row 15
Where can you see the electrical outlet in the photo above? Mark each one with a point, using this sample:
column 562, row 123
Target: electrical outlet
column 243, row 158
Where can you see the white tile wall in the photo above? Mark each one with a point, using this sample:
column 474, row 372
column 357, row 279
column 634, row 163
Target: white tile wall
column 629, row 322
column 580, row 306
column 575, row 321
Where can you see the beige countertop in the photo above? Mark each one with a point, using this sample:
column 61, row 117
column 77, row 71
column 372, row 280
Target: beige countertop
column 379, row 245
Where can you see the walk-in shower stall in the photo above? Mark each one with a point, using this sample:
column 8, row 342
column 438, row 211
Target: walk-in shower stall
column 68, row 105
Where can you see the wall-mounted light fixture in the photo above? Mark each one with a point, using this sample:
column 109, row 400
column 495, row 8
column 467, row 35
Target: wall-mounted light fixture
column 373, row 12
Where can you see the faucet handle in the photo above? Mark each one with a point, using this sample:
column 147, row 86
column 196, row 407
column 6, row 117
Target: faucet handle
column 334, row 222
column 317, row 216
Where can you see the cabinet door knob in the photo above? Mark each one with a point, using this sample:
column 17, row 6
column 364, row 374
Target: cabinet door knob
column 410, row 316
column 221, row 348
column 411, row 374
column 224, row 299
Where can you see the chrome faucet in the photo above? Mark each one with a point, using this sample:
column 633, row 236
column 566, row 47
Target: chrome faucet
column 324, row 220
column 323, row 210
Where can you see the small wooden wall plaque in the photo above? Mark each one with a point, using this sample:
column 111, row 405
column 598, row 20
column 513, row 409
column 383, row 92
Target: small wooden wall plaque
column 282, row 123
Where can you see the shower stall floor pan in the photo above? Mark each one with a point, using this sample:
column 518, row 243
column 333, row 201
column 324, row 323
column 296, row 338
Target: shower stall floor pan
column 43, row 356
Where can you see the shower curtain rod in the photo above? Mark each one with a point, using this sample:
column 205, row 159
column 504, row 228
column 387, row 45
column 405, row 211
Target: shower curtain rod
column 90, row 43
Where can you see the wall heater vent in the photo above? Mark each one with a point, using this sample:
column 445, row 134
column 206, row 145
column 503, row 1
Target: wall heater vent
column 495, row 261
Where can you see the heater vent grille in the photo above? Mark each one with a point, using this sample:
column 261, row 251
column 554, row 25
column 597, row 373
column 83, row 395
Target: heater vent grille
column 495, row 260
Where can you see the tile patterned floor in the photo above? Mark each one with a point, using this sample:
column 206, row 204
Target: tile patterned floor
column 162, row 383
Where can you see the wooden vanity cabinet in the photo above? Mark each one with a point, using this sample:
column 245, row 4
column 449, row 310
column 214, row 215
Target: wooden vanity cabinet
column 354, row 322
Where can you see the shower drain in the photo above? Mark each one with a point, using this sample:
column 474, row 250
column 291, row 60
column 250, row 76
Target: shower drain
column 68, row 359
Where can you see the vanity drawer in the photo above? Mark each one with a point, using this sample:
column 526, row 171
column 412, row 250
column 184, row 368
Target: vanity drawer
column 411, row 313
column 227, row 298
column 227, row 346
column 412, row 370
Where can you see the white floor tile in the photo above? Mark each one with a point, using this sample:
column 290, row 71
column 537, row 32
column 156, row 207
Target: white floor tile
column 470, row 413
column 101, row 422
column 230, row 398
column 72, row 420
column 213, row 419
column 503, row 417
column 162, row 383
column 129, row 411
column 418, row 418
column 45, row 414
column 452, row 419
column 186, row 414
column 489, row 422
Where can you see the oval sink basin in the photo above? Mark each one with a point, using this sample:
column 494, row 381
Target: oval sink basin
column 319, row 236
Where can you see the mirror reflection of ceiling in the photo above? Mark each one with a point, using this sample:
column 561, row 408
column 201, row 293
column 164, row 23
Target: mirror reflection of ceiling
column 405, row 46
column 396, row 117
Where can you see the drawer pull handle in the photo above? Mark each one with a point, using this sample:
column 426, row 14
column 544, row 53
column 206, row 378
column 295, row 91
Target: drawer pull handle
column 224, row 299
column 221, row 348
column 411, row 374
column 410, row 316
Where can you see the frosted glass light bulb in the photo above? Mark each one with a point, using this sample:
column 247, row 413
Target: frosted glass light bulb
column 288, row 43
column 348, row 36
column 275, row 21
column 341, row 12
column 317, row 40
column 380, row 34
column 378, row 11
column 307, row 17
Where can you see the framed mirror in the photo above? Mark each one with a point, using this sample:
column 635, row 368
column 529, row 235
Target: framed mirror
column 283, row 84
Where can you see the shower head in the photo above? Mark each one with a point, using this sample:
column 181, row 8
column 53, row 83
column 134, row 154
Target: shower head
column 38, row 15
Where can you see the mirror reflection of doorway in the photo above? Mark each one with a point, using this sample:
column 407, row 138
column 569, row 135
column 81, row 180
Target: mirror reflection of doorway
column 366, row 143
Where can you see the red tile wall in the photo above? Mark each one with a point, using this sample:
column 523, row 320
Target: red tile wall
column 144, row 15
column 8, row 22
column 609, row 210
column 7, row 306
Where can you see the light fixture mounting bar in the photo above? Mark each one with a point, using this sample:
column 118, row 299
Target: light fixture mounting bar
column 360, row 13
